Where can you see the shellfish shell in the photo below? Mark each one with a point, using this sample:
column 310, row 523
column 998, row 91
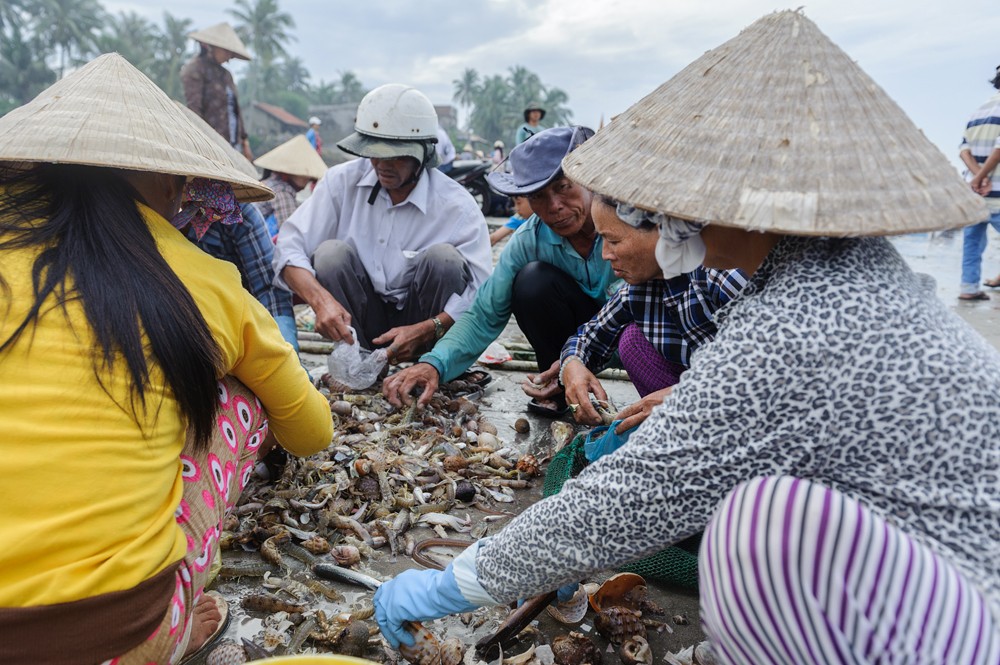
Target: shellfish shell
column 528, row 465
column 635, row 651
column 572, row 611
column 575, row 649
column 426, row 650
column 346, row 555
column 618, row 624
column 618, row 590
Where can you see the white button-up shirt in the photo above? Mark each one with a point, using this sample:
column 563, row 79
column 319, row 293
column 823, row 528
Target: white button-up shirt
column 388, row 237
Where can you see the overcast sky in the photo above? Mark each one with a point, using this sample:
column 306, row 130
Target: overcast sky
column 933, row 57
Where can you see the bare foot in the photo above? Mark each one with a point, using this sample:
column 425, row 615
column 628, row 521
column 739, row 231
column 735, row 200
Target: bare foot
column 206, row 620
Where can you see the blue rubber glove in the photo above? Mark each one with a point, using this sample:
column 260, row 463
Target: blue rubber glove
column 563, row 594
column 417, row 595
column 566, row 593
column 286, row 324
column 603, row 441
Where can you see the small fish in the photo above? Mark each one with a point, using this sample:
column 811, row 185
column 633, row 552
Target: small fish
column 334, row 572
column 450, row 521
column 263, row 602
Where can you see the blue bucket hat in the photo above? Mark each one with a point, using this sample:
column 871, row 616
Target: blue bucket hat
column 538, row 161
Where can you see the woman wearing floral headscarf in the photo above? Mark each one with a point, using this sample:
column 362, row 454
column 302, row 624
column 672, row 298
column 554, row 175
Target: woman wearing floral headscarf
column 837, row 440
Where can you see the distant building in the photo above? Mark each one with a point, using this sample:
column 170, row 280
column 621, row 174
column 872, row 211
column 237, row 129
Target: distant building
column 272, row 126
column 447, row 117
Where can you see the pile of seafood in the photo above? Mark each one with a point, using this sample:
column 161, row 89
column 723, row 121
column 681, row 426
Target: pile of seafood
column 623, row 614
column 387, row 473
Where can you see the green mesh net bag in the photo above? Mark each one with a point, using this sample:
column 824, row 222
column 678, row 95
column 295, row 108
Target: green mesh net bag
column 678, row 564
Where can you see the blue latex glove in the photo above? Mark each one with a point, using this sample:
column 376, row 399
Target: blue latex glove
column 417, row 595
column 603, row 441
column 566, row 593
column 563, row 594
column 286, row 324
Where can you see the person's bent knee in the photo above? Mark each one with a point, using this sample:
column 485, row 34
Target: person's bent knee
column 442, row 257
column 332, row 256
column 533, row 284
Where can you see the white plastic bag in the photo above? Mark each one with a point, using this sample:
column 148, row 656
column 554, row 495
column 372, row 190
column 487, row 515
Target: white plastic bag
column 495, row 354
column 353, row 366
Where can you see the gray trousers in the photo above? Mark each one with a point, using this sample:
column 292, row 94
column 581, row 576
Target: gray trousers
column 439, row 271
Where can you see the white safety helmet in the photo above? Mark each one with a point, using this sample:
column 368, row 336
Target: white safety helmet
column 394, row 120
column 315, row 121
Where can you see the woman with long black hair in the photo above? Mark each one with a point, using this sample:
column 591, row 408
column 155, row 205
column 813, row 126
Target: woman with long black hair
column 137, row 377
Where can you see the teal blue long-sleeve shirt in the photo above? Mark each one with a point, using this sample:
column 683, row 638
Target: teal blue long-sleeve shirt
column 491, row 309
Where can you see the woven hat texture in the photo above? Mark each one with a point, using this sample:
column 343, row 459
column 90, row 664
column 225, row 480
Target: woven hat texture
column 223, row 36
column 777, row 130
column 235, row 157
column 107, row 113
column 295, row 156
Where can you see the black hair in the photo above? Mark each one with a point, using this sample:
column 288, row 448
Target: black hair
column 995, row 82
column 88, row 229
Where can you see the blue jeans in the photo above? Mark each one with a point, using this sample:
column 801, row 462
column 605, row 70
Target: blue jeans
column 972, row 252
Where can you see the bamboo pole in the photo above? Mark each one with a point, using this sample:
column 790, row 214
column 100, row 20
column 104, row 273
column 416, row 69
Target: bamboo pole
column 611, row 374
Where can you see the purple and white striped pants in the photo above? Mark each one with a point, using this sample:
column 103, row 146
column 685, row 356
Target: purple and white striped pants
column 793, row 572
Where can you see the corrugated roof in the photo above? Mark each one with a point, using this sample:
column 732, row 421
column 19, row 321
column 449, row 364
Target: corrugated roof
column 281, row 114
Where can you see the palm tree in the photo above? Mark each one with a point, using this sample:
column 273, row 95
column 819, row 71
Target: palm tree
column 323, row 93
column 351, row 89
column 12, row 13
column 23, row 72
column 171, row 50
column 134, row 37
column 294, row 75
column 525, row 85
column 466, row 87
column 492, row 114
column 264, row 28
column 556, row 112
column 72, row 25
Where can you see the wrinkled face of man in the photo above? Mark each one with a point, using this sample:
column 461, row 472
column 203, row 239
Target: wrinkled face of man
column 395, row 172
column 563, row 205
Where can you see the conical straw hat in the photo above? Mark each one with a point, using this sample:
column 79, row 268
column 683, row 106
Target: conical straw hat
column 223, row 36
column 108, row 113
column 236, row 158
column 777, row 130
column 295, row 156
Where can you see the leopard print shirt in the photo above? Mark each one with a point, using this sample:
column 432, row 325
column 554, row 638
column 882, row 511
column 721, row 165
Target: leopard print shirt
column 837, row 364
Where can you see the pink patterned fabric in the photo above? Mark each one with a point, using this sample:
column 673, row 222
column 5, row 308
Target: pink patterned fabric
column 648, row 370
column 213, row 480
column 205, row 202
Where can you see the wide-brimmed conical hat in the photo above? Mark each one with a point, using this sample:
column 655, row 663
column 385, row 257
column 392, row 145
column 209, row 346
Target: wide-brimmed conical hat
column 236, row 158
column 777, row 130
column 223, row 36
column 295, row 156
column 107, row 113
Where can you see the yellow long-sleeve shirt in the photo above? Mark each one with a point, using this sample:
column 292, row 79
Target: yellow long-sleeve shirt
column 87, row 498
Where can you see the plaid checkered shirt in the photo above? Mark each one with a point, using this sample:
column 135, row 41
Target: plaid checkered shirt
column 675, row 315
column 248, row 246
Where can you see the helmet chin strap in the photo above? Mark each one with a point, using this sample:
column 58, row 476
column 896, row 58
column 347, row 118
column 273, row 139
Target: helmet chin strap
column 411, row 180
